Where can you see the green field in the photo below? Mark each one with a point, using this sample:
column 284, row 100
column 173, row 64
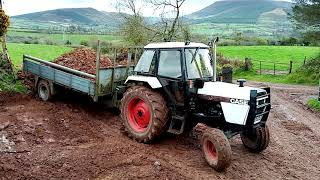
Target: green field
column 46, row 52
column 271, row 54
column 60, row 39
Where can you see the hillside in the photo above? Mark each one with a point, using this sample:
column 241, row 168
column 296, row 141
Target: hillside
column 239, row 11
column 80, row 16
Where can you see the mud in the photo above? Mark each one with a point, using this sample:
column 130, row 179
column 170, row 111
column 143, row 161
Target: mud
column 73, row 138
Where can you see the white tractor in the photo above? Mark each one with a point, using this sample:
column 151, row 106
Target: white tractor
column 174, row 87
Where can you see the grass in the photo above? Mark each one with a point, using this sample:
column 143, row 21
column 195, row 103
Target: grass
column 10, row 84
column 46, row 52
column 302, row 78
column 314, row 104
column 61, row 39
column 271, row 54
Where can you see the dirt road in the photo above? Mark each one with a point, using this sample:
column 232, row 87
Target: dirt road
column 73, row 138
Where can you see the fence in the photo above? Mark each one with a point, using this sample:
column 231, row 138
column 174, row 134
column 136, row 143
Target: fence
column 267, row 67
column 276, row 68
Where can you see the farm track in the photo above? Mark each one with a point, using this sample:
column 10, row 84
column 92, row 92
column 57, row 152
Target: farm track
column 73, row 138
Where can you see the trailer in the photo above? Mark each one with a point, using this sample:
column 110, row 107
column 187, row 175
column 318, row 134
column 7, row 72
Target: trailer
column 107, row 82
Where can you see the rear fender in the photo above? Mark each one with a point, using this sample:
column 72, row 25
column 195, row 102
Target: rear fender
column 153, row 82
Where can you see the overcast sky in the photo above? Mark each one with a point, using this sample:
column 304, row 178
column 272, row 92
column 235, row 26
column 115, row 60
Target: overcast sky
column 17, row 7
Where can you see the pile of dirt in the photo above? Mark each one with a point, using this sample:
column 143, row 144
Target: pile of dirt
column 83, row 59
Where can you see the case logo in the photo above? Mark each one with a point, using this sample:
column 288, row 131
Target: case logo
column 239, row 101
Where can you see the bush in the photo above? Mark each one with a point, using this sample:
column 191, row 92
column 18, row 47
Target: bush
column 68, row 43
column 84, row 43
column 234, row 63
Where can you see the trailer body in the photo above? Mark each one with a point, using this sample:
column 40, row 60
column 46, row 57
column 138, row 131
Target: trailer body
column 103, row 84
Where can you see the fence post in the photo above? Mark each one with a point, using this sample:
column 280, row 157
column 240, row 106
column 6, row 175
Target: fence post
column 305, row 59
column 260, row 68
column 274, row 69
column 290, row 67
column 319, row 92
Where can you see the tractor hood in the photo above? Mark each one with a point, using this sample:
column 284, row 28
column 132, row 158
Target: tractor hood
column 227, row 90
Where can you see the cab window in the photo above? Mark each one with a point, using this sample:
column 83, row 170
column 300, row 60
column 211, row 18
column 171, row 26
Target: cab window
column 146, row 62
column 170, row 64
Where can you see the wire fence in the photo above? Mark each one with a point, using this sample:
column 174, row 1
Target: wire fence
column 277, row 68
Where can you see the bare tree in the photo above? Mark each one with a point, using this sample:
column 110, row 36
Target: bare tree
column 129, row 5
column 134, row 28
column 170, row 25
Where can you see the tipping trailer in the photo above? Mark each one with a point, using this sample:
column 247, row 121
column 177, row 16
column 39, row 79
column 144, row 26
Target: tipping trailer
column 172, row 88
column 105, row 83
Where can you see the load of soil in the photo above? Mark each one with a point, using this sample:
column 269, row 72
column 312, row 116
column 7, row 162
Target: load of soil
column 83, row 59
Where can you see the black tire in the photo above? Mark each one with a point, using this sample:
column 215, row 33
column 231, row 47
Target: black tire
column 257, row 139
column 216, row 149
column 144, row 113
column 44, row 90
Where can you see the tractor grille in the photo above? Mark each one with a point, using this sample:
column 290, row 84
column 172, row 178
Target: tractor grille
column 262, row 106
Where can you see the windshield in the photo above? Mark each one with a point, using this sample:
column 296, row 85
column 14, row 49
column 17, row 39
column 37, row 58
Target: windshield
column 198, row 63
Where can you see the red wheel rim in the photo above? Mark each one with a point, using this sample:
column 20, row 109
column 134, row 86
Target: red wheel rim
column 210, row 150
column 138, row 115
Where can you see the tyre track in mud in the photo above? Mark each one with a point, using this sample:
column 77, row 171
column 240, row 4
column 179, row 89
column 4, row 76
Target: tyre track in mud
column 74, row 139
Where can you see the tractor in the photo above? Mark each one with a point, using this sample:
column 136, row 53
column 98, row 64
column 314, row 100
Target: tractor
column 173, row 88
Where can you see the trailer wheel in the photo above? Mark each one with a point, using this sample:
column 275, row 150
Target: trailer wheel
column 216, row 149
column 257, row 139
column 44, row 91
column 144, row 113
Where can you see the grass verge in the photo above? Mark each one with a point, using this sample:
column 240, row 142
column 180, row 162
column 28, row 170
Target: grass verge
column 303, row 78
column 314, row 104
column 10, row 84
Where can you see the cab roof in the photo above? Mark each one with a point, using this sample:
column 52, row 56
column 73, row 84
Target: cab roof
column 173, row 45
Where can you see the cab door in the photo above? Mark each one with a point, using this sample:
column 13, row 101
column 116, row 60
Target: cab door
column 170, row 74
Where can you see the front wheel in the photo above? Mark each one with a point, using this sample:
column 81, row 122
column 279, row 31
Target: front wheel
column 144, row 113
column 216, row 149
column 256, row 139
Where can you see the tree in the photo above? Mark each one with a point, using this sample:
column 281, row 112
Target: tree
column 134, row 28
column 170, row 26
column 306, row 15
column 5, row 62
column 137, row 31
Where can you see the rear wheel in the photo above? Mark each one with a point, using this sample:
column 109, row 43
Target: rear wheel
column 44, row 91
column 216, row 149
column 144, row 113
column 256, row 139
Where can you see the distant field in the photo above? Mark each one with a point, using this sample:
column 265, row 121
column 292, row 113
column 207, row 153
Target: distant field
column 46, row 52
column 61, row 39
column 277, row 54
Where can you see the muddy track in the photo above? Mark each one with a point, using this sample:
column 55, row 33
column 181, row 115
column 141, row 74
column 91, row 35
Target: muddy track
column 73, row 138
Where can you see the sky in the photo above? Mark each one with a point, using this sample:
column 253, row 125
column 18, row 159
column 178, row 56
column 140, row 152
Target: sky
column 17, row 7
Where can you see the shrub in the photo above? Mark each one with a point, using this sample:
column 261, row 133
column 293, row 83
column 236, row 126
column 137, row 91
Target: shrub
column 68, row 43
column 84, row 43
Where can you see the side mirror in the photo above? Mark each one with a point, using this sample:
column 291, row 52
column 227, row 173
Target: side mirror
column 199, row 83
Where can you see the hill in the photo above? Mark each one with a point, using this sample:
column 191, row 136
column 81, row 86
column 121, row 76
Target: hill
column 239, row 11
column 79, row 16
